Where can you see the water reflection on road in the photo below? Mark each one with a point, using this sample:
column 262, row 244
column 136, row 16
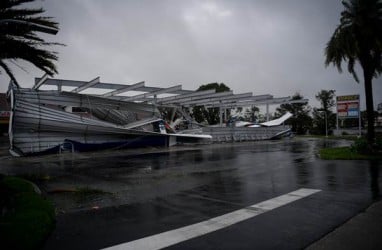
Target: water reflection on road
column 239, row 173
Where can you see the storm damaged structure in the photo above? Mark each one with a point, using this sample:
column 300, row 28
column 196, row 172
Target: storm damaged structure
column 54, row 121
column 51, row 121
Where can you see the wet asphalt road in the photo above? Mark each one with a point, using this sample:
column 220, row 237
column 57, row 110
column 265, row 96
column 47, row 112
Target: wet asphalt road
column 146, row 192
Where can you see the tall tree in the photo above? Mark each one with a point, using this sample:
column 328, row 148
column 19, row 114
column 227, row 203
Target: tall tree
column 326, row 98
column 300, row 121
column 323, row 117
column 211, row 115
column 358, row 38
column 19, row 38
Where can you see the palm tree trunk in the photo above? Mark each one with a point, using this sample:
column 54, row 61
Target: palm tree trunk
column 368, row 76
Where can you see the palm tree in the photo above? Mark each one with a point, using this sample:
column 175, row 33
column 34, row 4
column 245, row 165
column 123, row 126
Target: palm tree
column 358, row 38
column 19, row 38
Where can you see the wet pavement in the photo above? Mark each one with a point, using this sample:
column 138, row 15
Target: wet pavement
column 128, row 195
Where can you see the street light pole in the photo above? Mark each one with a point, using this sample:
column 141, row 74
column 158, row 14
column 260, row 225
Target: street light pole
column 326, row 124
column 326, row 121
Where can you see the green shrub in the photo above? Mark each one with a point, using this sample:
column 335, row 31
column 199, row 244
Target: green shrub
column 26, row 228
column 26, row 218
column 360, row 146
column 15, row 184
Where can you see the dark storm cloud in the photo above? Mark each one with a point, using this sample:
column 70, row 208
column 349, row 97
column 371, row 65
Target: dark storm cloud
column 274, row 47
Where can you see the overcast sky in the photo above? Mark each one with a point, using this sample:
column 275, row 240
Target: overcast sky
column 261, row 46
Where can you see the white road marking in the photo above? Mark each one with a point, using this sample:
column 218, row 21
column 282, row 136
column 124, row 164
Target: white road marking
column 176, row 236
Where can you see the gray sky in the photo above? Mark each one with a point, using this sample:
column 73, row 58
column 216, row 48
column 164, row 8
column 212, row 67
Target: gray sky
column 261, row 46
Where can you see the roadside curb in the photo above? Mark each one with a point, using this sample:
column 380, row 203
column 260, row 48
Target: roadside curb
column 363, row 231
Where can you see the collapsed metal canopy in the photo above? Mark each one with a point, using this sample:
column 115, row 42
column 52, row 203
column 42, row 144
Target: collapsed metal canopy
column 180, row 97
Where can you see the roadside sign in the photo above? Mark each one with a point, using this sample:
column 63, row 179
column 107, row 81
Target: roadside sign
column 348, row 106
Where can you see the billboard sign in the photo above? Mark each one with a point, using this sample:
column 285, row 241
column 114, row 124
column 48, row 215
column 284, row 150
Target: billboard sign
column 348, row 106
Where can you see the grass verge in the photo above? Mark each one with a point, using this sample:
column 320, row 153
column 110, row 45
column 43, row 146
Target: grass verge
column 333, row 137
column 345, row 153
column 26, row 218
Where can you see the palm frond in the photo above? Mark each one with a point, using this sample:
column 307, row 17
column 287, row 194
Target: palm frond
column 351, row 70
column 15, row 49
column 20, row 13
column 9, row 72
column 19, row 39
column 12, row 3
